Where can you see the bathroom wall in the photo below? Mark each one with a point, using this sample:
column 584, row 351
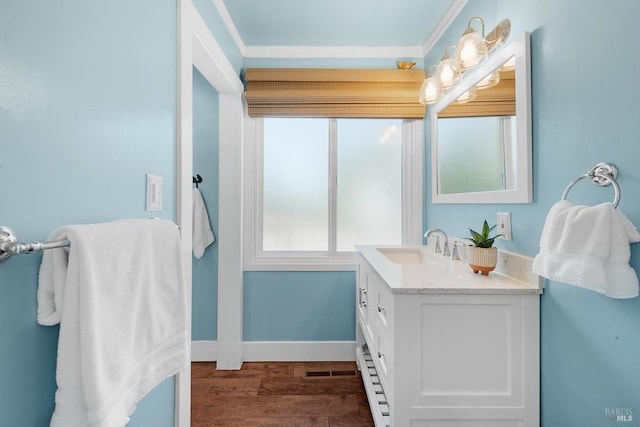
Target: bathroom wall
column 87, row 108
column 299, row 306
column 585, row 92
column 205, row 163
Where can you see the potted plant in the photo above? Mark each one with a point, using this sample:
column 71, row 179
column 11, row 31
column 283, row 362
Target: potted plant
column 482, row 256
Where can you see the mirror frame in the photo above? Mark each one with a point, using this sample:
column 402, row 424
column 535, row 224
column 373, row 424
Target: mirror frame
column 523, row 191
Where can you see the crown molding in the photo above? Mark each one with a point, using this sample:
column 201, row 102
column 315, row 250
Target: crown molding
column 396, row 52
column 447, row 19
column 339, row 51
column 226, row 18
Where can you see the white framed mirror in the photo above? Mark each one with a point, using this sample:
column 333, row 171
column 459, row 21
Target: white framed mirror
column 481, row 149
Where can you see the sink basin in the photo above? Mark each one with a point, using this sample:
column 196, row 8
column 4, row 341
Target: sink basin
column 402, row 255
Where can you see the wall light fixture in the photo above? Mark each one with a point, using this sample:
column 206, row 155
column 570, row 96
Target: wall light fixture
column 472, row 49
column 431, row 89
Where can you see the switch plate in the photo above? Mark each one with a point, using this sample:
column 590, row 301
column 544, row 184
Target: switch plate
column 504, row 225
column 154, row 193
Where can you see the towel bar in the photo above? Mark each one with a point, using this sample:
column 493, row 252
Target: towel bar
column 9, row 245
column 603, row 174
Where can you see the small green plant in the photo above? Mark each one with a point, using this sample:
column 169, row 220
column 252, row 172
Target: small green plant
column 482, row 240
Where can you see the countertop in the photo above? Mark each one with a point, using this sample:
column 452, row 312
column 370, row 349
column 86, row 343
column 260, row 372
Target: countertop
column 431, row 273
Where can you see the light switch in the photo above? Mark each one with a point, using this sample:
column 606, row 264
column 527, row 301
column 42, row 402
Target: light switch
column 154, row 193
column 504, row 225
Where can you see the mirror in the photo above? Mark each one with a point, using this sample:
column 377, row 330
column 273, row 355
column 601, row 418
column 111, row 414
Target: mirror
column 481, row 148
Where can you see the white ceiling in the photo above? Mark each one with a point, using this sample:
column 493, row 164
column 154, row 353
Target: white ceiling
column 320, row 28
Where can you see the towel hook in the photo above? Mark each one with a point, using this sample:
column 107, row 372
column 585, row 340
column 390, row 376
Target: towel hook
column 602, row 174
column 197, row 180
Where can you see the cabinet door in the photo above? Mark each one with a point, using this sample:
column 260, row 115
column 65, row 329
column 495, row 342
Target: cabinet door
column 469, row 351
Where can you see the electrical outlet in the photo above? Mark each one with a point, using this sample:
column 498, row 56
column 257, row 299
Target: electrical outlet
column 504, row 225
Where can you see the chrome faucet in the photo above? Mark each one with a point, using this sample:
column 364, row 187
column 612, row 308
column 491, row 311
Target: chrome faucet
column 445, row 247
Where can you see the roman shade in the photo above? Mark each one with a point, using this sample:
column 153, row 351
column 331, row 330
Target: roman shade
column 357, row 93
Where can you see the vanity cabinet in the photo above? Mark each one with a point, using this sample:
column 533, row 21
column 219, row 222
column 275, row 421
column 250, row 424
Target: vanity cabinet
column 447, row 357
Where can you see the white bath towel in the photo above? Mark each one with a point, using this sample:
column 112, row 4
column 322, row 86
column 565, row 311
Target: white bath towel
column 118, row 293
column 588, row 246
column 202, row 234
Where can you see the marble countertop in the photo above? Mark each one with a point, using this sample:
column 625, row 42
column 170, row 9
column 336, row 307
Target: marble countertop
column 430, row 273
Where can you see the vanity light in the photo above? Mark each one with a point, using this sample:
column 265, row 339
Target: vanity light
column 472, row 48
column 510, row 65
column 468, row 96
column 447, row 72
column 431, row 90
column 490, row 81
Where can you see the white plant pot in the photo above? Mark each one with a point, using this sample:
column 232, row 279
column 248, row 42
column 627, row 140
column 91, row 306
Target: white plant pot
column 482, row 260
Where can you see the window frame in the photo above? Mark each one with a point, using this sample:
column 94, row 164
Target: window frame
column 255, row 259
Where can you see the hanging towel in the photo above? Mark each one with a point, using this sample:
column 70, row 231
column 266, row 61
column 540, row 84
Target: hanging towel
column 118, row 292
column 588, row 246
column 202, row 234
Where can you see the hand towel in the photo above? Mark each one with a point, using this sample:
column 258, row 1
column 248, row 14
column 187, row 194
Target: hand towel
column 118, row 293
column 202, row 234
column 588, row 246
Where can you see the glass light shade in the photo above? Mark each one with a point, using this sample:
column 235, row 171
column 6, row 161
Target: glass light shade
column 468, row 96
column 510, row 65
column 430, row 91
column 447, row 73
column 489, row 81
column 471, row 50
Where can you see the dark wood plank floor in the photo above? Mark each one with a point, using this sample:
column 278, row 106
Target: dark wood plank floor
column 282, row 394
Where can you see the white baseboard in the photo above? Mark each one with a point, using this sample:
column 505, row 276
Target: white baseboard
column 204, row 351
column 281, row 351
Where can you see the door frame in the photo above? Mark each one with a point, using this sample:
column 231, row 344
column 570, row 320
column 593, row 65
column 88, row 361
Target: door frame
column 197, row 47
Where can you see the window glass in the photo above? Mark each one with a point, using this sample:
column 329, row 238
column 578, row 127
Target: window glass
column 369, row 191
column 295, row 190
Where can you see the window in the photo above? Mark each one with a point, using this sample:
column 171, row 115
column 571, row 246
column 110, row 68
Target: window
column 317, row 187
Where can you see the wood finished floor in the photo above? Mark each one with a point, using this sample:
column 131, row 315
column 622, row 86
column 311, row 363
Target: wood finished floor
column 278, row 394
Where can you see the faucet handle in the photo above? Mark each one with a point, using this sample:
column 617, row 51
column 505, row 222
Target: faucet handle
column 454, row 251
column 437, row 247
column 445, row 249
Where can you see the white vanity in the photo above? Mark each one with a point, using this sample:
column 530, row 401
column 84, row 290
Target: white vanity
column 439, row 346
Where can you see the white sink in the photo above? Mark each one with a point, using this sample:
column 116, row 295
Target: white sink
column 402, row 255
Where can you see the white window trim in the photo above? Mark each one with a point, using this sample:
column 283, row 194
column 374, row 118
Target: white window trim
column 256, row 260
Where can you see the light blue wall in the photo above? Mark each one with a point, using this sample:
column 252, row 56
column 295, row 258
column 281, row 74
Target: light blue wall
column 87, row 108
column 217, row 27
column 585, row 110
column 299, row 306
column 205, row 163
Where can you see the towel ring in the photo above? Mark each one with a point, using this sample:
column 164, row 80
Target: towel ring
column 602, row 174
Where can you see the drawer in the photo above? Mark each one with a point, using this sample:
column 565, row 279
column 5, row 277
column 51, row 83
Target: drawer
column 382, row 356
column 380, row 306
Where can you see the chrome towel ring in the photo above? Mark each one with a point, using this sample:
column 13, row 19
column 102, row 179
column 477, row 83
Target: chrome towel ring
column 602, row 174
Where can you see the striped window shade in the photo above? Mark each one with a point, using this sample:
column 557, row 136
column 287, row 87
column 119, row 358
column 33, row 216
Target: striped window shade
column 353, row 93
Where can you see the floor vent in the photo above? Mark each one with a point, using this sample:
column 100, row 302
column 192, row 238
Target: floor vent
column 349, row 373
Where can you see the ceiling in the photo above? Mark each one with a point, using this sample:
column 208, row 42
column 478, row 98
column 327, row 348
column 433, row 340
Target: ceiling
column 368, row 27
